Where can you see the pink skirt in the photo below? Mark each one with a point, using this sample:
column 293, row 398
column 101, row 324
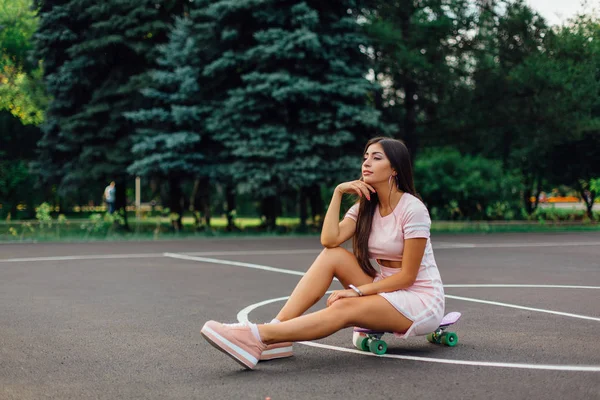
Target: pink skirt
column 423, row 302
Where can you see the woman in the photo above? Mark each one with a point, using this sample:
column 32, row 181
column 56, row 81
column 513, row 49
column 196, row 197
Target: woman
column 389, row 225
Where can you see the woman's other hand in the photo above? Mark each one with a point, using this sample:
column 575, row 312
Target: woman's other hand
column 341, row 294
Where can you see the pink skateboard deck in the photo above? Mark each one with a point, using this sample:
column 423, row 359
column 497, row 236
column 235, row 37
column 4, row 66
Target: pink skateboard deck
column 370, row 340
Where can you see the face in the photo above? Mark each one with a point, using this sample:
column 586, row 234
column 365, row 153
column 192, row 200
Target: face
column 376, row 167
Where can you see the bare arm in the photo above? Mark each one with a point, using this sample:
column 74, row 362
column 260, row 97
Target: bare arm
column 414, row 249
column 335, row 232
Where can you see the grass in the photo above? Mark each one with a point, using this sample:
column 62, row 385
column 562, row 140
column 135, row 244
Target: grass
column 512, row 226
column 156, row 228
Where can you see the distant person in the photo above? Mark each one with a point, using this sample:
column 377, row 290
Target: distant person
column 390, row 230
column 109, row 197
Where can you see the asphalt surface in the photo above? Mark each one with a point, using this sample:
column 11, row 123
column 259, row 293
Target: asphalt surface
column 121, row 321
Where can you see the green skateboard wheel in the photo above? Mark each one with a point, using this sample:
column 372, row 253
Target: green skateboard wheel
column 378, row 347
column 450, row 339
column 360, row 341
column 364, row 344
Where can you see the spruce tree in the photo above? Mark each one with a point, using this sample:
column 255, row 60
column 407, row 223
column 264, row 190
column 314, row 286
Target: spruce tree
column 61, row 22
column 170, row 141
column 102, row 70
column 295, row 111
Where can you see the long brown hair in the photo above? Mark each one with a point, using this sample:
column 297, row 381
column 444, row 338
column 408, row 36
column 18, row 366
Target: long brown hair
column 399, row 157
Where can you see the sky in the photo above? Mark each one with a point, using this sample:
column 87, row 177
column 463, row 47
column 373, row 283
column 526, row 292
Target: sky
column 558, row 11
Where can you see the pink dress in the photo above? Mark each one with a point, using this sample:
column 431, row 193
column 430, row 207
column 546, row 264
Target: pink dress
column 423, row 302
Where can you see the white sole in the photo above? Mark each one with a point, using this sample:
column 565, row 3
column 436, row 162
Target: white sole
column 225, row 346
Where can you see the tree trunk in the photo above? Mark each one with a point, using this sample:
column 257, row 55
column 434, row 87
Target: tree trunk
column 271, row 210
column 316, row 204
column 194, row 205
column 121, row 200
column 589, row 205
column 231, row 206
column 204, row 205
column 588, row 197
column 303, row 208
column 538, row 190
column 12, row 211
column 176, row 203
column 527, row 200
column 200, row 202
column 533, row 188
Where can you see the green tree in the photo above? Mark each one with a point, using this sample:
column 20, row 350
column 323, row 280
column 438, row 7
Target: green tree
column 171, row 142
column 534, row 89
column 22, row 103
column 557, row 91
column 17, row 149
column 61, row 25
column 296, row 109
column 574, row 160
column 422, row 52
column 107, row 50
column 21, row 88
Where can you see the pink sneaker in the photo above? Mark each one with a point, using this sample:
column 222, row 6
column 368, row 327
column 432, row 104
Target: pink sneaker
column 277, row 350
column 235, row 340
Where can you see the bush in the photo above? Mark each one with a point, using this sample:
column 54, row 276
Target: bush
column 553, row 214
column 456, row 186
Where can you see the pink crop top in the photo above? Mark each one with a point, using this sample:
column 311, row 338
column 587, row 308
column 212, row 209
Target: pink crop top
column 410, row 219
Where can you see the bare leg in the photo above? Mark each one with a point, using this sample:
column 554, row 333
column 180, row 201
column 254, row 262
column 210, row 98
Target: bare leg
column 373, row 312
column 336, row 262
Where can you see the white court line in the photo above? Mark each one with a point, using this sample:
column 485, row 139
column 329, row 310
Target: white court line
column 551, row 367
column 254, row 252
column 90, row 257
column 519, row 285
column 234, row 263
column 154, row 255
column 242, row 316
column 495, row 303
column 299, row 273
column 439, row 246
column 245, row 312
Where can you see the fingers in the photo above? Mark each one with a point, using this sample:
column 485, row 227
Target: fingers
column 371, row 188
column 359, row 187
column 334, row 297
column 363, row 189
column 365, row 186
column 331, row 299
column 340, row 294
column 358, row 190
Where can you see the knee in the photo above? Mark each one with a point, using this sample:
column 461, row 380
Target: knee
column 334, row 252
column 331, row 256
column 344, row 309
